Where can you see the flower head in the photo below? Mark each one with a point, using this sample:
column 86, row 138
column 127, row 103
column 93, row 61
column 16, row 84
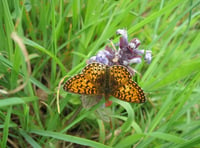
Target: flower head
column 127, row 53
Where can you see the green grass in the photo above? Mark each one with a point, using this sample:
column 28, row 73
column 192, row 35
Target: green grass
column 61, row 35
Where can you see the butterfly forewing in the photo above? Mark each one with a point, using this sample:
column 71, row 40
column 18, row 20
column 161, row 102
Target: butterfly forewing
column 79, row 84
column 122, row 87
column 129, row 92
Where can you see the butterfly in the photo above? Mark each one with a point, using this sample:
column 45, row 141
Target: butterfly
column 100, row 79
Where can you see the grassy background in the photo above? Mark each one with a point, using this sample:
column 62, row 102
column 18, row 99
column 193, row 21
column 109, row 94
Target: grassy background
column 61, row 35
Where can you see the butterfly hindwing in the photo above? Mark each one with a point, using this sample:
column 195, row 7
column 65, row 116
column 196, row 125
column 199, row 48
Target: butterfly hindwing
column 95, row 72
column 119, row 75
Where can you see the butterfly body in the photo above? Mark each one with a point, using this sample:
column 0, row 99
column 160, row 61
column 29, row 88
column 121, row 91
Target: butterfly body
column 100, row 79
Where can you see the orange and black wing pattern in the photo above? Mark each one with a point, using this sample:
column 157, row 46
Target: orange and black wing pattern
column 123, row 87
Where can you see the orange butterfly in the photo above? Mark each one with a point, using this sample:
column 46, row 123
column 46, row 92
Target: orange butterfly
column 99, row 79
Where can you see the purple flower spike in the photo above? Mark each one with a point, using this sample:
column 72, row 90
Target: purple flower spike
column 135, row 60
column 127, row 53
column 123, row 33
column 148, row 56
column 134, row 43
